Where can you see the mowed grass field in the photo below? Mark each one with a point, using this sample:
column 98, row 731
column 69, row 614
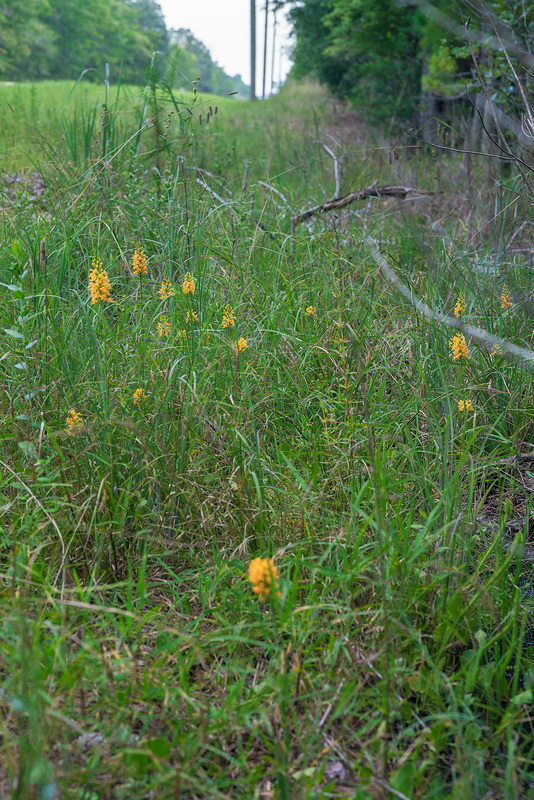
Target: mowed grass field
column 264, row 526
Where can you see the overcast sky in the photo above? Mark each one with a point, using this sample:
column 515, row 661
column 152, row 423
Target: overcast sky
column 224, row 27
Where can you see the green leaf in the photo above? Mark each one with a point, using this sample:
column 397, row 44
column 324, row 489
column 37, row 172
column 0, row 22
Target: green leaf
column 402, row 779
column 15, row 334
column 523, row 698
column 28, row 448
column 160, row 747
column 11, row 286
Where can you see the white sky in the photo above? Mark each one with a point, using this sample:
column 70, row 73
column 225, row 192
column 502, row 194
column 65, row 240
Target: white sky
column 224, row 27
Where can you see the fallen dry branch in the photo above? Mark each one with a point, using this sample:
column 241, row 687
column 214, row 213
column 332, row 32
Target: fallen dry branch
column 522, row 356
column 400, row 192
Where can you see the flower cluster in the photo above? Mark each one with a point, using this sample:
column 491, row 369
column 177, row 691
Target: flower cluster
column 495, row 351
column 139, row 396
column 458, row 346
column 465, row 405
column 191, row 316
column 310, row 311
column 139, row 262
column 166, row 288
column 263, row 576
column 188, row 286
column 74, row 420
column 99, row 285
column 241, row 345
column 507, row 300
column 459, row 308
column 163, row 328
column 228, row 317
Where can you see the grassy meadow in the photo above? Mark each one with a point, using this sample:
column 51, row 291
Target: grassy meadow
column 188, row 386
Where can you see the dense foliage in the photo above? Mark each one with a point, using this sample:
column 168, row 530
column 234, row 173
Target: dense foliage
column 60, row 39
column 390, row 57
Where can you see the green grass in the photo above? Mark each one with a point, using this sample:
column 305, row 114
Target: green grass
column 135, row 658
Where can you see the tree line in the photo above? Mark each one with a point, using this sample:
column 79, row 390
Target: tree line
column 60, row 39
column 412, row 60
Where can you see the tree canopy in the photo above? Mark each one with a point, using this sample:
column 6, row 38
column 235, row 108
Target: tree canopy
column 390, row 57
column 60, row 39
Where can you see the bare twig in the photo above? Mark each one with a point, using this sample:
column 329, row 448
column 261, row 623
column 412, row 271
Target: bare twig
column 338, row 167
column 275, row 191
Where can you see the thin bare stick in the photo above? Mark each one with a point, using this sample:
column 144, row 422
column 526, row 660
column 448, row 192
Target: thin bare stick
column 276, row 192
column 523, row 357
column 338, row 172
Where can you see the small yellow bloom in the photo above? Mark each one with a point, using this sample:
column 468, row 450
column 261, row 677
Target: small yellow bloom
column 99, row 285
column 139, row 262
column 458, row 346
column 228, row 317
column 182, row 334
column 188, row 286
column 507, row 300
column 263, row 576
column 310, row 311
column 163, row 328
column 459, row 308
column 166, row 288
column 74, row 420
column 241, row 345
column 465, row 405
column 495, row 351
column 191, row 316
column 139, row 396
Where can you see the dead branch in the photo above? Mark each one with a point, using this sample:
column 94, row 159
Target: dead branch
column 523, row 357
column 338, row 166
column 401, row 192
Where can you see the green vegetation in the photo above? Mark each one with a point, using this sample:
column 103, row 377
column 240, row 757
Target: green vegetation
column 259, row 394
column 399, row 62
column 63, row 39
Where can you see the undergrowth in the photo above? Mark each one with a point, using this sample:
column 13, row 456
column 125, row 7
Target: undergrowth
column 258, row 394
